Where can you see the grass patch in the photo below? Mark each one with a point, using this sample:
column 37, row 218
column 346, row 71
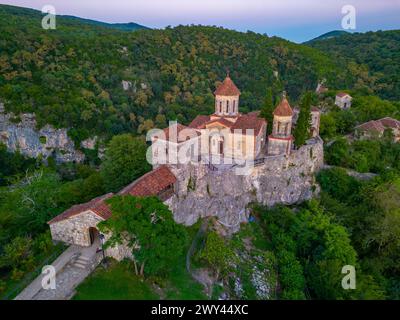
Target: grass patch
column 181, row 286
column 118, row 282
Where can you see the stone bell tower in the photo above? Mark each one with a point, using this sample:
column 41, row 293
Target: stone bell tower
column 227, row 99
column 281, row 139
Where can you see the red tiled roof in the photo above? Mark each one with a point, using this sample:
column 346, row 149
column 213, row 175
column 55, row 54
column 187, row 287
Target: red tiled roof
column 342, row 94
column 380, row 125
column 97, row 206
column 283, row 109
column 199, row 122
column 222, row 121
column 151, row 184
column 227, row 88
column 390, row 122
column 254, row 114
column 249, row 121
column 372, row 126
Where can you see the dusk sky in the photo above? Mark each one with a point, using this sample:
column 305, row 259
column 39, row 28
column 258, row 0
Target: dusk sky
column 295, row 20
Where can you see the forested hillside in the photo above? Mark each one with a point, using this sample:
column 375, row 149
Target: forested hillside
column 376, row 52
column 71, row 77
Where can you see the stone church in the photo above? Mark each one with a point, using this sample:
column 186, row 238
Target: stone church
column 229, row 134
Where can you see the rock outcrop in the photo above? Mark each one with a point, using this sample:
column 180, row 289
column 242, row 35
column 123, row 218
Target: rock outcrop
column 20, row 133
column 201, row 192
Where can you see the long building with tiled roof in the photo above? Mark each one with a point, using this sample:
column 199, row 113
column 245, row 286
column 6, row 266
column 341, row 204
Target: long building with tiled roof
column 78, row 225
column 158, row 182
column 97, row 206
column 376, row 128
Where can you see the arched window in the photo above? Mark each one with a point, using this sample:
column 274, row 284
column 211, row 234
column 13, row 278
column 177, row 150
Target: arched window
column 227, row 106
column 234, row 106
column 220, row 107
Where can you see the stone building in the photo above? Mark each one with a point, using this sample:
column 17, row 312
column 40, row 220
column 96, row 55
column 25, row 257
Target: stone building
column 225, row 134
column 78, row 225
column 281, row 139
column 343, row 100
column 376, row 129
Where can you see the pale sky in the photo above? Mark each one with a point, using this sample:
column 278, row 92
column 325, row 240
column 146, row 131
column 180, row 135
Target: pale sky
column 295, row 20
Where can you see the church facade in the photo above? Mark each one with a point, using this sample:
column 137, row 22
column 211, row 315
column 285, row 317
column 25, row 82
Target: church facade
column 228, row 134
column 225, row 134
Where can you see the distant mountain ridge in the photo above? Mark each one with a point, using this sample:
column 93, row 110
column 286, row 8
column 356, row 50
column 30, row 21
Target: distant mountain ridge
column 329, row 35
column 129, row 26
column 29, row 13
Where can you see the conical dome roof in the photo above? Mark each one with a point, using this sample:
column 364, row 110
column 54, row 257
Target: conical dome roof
column 283, row 109
column 227, row 88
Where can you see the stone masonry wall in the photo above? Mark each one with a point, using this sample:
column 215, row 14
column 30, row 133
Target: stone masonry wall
column 75, row 230
column 225, row 195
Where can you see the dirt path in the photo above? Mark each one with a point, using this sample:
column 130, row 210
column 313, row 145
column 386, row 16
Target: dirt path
column 200, row 275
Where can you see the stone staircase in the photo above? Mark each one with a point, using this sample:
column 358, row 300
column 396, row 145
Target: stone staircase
column 82, row 262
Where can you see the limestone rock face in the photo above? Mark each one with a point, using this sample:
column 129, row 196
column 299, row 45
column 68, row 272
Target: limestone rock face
column 226, row 195
column 22, row 135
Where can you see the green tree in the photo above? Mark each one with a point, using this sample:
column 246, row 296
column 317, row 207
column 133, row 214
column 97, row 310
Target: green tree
column 125, row 161
column 148, row 228
column 338, row 183
column 268, row 109
column 218, row 254
column 302, row 130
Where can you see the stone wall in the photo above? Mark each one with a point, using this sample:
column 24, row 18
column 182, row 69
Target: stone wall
column 226, row 195
column 120, row 251
column 20, row 133
column 75, row 230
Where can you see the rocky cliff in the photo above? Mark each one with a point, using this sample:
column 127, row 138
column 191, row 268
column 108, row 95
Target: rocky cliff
column 20, row 133
column 283, row 179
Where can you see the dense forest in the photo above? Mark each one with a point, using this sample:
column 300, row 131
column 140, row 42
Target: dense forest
column 71, row 77
column 376, row 53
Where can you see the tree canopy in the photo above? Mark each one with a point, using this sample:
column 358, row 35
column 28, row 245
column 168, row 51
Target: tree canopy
column 149, row 230
column 125, row 161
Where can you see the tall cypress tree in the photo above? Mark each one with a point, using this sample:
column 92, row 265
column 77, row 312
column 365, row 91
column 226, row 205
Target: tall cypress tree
column 302, row 131
column 267, row 110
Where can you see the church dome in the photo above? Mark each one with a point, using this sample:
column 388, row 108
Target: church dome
column 227, row 88
column 283, row 109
